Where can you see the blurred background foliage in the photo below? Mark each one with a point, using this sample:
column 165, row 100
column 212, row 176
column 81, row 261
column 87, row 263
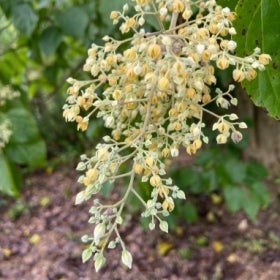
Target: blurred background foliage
column 43, row 42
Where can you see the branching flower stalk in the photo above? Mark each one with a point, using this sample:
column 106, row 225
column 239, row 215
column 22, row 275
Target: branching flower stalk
column 152, row 90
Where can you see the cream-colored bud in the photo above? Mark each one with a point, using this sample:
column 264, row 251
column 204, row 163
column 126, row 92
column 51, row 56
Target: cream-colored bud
column 264, row 59
column 154, row 51
column 165, row 152
column 130, row 54
column 92, row 174
column 221, row 139
column 163, row 84
column 178, row 6
column 114, row 15
column 223, row 127
column 102, row 154
column 130, row 22
column 222, row 62
column 190, row 93
column 155, row 181
column 197, row 144
column 138, row 168
column 150, row 161
column 238, row 75
column 251, row 74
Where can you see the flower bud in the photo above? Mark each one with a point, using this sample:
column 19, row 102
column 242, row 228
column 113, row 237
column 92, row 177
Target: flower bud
column 264, row 59
column 236, row 136
column 155, row 181
column 114, row 15
column 163, row 84
column 221, row 139
column 251, row 74
column 154, row 51
column 222, row 62
column 238, row 75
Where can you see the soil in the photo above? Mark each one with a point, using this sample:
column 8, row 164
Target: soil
column 40, row 240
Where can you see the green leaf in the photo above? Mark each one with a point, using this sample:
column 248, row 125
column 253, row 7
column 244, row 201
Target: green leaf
column 260, row 192
column 234, row 198
column 50, row 40
column 236, row 170
column 24, row 18
column 7, row 181
column 228, row 3
column 251, row 207
column 258, row 25
column 73, row 21
column 106, row 9
column 32, row 154
column 23, row 126
column 188, row 211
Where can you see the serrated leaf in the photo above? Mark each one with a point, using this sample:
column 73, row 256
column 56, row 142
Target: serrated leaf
column 24, row 18
column 126, row 258
column 86, row 255
column 261, row 29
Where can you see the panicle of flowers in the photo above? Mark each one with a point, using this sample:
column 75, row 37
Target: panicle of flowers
column 153, row 97
column 6, row 93
column 5, row 133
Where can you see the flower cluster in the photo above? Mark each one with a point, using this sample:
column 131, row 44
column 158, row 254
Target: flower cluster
column 153, row 96
column 5, row 133
column 6, row 93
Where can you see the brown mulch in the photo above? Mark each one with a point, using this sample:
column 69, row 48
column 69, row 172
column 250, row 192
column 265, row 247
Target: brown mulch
column 40, row 240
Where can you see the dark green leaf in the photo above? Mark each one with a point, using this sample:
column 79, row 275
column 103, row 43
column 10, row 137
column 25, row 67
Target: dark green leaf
column 24, row 18
column 73, row 21
column 50, row 40
column 258, row 25
column 209, row 180
column 23, row 126
column 236, row 170
column 188, row 211
column 106, row 9
column 260, row 192
column 251, row 207
column 256, row 171
column 7, row 183
column 228, row 3
column 32, row 154
column 234, row 198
